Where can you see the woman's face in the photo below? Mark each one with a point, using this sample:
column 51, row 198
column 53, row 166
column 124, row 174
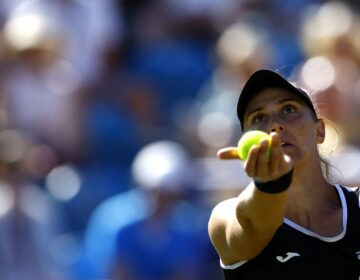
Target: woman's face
column 276, row 110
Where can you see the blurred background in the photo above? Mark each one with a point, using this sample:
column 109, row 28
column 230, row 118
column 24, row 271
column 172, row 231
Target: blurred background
column 112, row 111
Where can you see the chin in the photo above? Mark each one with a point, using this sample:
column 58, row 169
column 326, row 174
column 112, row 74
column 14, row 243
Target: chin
column 295, row 157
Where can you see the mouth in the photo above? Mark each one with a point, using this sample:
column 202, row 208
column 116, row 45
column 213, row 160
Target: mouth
column 286, row 145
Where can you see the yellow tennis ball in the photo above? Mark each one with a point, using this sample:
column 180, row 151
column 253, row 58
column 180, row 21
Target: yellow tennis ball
column 249, row 139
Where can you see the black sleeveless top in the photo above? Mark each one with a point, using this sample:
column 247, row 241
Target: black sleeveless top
column 297, row 253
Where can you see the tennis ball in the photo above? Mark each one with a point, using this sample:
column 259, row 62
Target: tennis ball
column 249, row 139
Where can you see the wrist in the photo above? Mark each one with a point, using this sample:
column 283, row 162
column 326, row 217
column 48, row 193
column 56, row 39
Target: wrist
column 278, row 185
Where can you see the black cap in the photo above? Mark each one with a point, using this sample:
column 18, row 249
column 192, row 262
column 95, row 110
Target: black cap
column 263, row 79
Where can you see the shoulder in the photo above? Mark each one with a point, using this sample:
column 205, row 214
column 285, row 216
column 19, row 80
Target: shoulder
column 223, row 208
column 220, row 215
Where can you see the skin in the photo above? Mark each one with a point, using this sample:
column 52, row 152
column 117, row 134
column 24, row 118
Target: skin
column 241, row 227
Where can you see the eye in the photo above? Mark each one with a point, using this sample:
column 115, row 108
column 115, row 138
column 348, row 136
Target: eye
column 288, row 109
column 258, row 118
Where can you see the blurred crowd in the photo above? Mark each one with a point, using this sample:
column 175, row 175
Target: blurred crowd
column 111, row 113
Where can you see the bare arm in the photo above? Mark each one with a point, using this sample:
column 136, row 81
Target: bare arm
column 241, row 227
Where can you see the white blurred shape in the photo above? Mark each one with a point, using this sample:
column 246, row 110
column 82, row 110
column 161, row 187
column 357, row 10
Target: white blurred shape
column 24, row 31
column 34, row 204
column 17, row 34
column 238, row 42
column 328, row 21
column 325, row 26
column 7, row 199
column 215, row 130
column 160, row 164
column 63, row 182
column 318, row 73
column 334, row 19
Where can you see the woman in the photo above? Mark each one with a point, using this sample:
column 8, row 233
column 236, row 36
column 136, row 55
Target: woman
column 289, row 223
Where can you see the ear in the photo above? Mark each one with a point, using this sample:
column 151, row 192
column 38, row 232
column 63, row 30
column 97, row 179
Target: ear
column 320, row 131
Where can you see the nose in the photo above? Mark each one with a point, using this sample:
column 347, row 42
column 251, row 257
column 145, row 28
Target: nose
column 276, row 127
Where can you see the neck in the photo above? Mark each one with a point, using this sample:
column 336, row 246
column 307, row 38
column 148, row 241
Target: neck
column 310, row 192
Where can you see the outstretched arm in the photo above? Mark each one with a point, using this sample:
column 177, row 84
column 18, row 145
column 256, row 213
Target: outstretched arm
column 241, row 227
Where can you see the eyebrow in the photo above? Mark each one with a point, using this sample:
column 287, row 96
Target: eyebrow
column 281, row 101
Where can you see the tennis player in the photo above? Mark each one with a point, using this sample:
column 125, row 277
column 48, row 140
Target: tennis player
column 289, row 222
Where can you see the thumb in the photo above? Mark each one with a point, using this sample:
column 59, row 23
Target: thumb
column 228, row 153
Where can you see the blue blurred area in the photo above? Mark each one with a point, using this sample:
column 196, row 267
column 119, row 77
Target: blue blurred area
column 101, row 235
column 111, row 133
column 188, row 61
column 80, row 106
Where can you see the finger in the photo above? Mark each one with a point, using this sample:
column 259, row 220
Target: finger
column 250, row 163
column 275, row 156
column 262, row 167
column 228, row 153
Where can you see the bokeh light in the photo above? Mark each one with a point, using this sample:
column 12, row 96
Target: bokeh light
column 215, row 130
column 63, row 182
column 318, row 73
column 159, row 163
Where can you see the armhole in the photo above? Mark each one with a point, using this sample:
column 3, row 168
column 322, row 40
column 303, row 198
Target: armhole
column 232, row 266
column 356, row 191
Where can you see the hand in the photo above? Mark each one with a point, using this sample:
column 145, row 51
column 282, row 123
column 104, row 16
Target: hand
column 264, row 169
column 258, row 165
